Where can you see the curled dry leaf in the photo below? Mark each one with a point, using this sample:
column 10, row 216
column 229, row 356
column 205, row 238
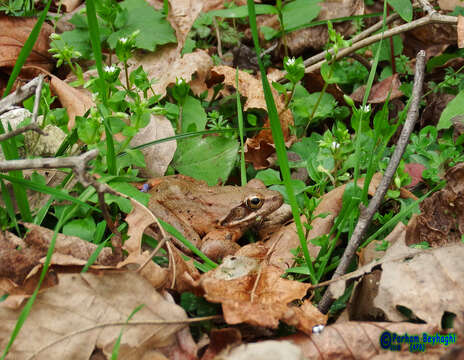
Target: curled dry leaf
column 388, row 88
column 85, row 301
column 15, row 31
column 259, row 148
column 359, row 340
column 258, row 296
column 75, row 101
column 441, row 220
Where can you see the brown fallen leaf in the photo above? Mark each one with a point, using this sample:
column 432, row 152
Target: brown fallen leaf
column 441, row 220
column 387, row 88
column 159, row 156
column 84, row 301
column 262, row 299
column 75, row 101
column 14, row 33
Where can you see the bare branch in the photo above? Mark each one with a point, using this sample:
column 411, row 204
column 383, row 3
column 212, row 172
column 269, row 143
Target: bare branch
column 367, row 214
column 20, row 94
column 49, row 163
column 429, row 19
column 31, row 127
column 362, row 35
column 38, row 92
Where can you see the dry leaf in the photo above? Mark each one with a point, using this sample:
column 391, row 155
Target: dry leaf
column 264, row 350
column 272, row 296
column 166, row 65
column 75, row 101
column 159, row 156
column 14, row 33
column 441, row 220
column 83, row 301
column 428, row 284
column 449, row 4
column 388, row 88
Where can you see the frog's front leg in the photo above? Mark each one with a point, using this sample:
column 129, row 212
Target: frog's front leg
column 217, row 244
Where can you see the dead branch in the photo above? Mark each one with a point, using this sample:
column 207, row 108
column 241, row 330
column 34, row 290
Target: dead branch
column 362, row 35
column 30, row 127
column 49, row 163
column 367, row 214
column 20, row 94
column 38, row 92
column 434, row 18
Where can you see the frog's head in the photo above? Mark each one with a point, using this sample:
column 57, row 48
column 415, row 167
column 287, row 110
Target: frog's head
column 257, row 201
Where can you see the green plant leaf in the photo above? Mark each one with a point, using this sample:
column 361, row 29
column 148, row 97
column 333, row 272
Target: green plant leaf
column 300, row 12
column 154, row 28
column 210, row 159
column 83, row 228
column 403, row 8
column 454, row 108
column 193, row 115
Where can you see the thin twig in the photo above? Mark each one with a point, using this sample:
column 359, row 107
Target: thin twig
column 366, row 215
column 19, row 95
column 429, row 19
column 123, row 323
column 49, row 163
column 362, row 35
column 38, row 92
column 30, row 127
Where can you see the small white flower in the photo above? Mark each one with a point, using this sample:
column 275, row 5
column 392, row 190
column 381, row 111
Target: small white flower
column 290, row 61
column 317, row 329
column 122, row 40
column 365, row 108
column 334, row 146
column 180, row 81
column 110, row 69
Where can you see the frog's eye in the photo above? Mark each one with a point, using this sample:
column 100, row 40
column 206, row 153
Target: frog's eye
column 254, row 202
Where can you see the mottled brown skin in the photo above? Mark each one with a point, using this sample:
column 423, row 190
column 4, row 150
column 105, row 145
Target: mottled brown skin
column 213, row 218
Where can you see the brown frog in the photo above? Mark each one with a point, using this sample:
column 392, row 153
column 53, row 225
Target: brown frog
column 213, row 218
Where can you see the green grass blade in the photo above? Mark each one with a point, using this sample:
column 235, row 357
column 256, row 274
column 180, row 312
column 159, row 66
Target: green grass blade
column 59, row 194
column 9, row 205
column 117, row 344
column 94, row 33
column 177, row 234
column 279, row 143
column 243, row 176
